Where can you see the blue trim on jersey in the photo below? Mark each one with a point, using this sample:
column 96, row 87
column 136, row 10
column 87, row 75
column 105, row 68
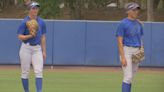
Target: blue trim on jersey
column 131, row 31
column 24, row 30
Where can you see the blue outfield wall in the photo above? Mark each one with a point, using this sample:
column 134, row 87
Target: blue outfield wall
column 101, row 47
column 71, row 42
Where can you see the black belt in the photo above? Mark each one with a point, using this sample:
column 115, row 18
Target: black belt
column 134, row 46
column 31, row 44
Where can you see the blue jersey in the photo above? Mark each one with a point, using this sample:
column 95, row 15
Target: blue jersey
column 24, row 30
column 131, row 31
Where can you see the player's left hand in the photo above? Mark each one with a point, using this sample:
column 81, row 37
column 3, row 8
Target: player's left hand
column 33, row 26
column 44, row 56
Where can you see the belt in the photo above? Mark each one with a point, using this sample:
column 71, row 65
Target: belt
column 134, row 46
column 31, row 44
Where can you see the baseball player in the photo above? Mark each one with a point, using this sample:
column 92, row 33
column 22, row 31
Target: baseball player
column 129, row 35
column 33, row 47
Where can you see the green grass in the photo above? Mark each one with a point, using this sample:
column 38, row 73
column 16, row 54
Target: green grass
column 83, row 81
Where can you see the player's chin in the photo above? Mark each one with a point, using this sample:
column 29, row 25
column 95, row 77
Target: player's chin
column 35, row 14
column 135, row 17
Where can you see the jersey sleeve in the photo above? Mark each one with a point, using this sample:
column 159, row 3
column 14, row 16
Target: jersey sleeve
column 21, row 28
column 120, row 30
column 44, row 30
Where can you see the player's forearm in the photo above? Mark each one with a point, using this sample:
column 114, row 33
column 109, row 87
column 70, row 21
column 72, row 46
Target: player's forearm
column 120, row 47
column 43, row 43
column 24, row 37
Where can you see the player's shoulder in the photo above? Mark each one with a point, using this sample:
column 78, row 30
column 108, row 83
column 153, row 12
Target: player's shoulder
column 25, row 19
column 125, row 20
column 40, row 19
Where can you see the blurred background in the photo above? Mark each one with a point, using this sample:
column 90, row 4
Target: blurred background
column 108, row 10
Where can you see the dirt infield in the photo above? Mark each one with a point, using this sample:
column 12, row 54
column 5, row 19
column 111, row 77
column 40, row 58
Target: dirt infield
column 83, row 68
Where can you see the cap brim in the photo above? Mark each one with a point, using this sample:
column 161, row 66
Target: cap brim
column 138, row 8
column 38, row 5
column 35, row 6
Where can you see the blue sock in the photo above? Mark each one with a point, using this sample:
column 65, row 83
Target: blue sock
column 38, row 82
column 25, row 85
column 126, row 87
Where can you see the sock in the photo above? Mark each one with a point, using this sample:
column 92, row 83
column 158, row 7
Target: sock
column 25, row 85
column 126, row 87
column 38, row 82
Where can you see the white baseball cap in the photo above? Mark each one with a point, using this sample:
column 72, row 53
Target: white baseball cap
column 33, row 4
column 132, row 6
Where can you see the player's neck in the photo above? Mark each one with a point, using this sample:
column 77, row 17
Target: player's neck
column 32, row 17
column 131, row 17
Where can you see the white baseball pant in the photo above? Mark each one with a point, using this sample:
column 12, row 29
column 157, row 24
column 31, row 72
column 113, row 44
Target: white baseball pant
column 31, row 55
column 130, row 70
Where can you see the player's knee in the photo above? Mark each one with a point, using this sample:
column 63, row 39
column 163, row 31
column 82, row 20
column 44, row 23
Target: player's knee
column 24, row 75
column 38, row 73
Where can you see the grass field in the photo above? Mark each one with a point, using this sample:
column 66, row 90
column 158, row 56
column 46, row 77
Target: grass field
column 85, row 80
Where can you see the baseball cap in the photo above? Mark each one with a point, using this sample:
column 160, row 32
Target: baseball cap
column 33, row 4
column 131, row 6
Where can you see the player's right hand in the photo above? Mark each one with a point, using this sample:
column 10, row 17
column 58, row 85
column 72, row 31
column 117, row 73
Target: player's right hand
column 33, row 33
column 123, row 62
